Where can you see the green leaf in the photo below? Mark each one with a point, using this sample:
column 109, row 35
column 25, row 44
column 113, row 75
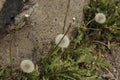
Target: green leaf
column 2, row 71
column 103, row 63
column 85, row 58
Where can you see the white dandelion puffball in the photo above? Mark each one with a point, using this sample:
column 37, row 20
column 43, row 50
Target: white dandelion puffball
column 27, row 66
column 74, row 18
column 64, row 43
column 26, row 15
column 100, row 18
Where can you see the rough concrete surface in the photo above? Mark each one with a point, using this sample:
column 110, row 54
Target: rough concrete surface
column 47, row 20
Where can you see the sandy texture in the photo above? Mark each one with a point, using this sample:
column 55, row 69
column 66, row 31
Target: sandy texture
column 47, row 18
column 1, row 3
column 114, row 58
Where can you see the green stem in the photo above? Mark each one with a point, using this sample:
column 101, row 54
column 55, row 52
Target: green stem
column 90, row 22
column 10, row 53
column 68, row 6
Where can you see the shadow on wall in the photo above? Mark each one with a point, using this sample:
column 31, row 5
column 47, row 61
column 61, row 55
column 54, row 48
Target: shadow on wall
column 10, row 9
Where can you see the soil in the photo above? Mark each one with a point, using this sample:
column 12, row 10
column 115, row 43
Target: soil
column 112, row 72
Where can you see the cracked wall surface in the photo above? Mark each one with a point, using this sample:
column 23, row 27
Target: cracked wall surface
column 47, row 20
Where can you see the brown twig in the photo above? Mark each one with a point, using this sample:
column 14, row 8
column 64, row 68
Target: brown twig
column 106, row 45
column 110, row 73
column 10, row 53
column 101, row 43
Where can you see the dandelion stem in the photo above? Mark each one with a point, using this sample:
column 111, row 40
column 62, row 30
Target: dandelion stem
column 63, row 30
column 60, row 40
column 10, row 52
column 64, row 35
column 65, row 19
column 89, row 22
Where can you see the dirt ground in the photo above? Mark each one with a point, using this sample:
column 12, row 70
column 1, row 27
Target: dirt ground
column 114, row 58
column 46, row 21
column 112, row 72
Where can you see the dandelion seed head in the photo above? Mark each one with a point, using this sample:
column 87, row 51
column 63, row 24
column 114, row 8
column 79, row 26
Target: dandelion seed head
column 64, row 43
column 100, row 18
column 116, row 7
column 74, row 18
column 27, row 66
column 26, row 15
